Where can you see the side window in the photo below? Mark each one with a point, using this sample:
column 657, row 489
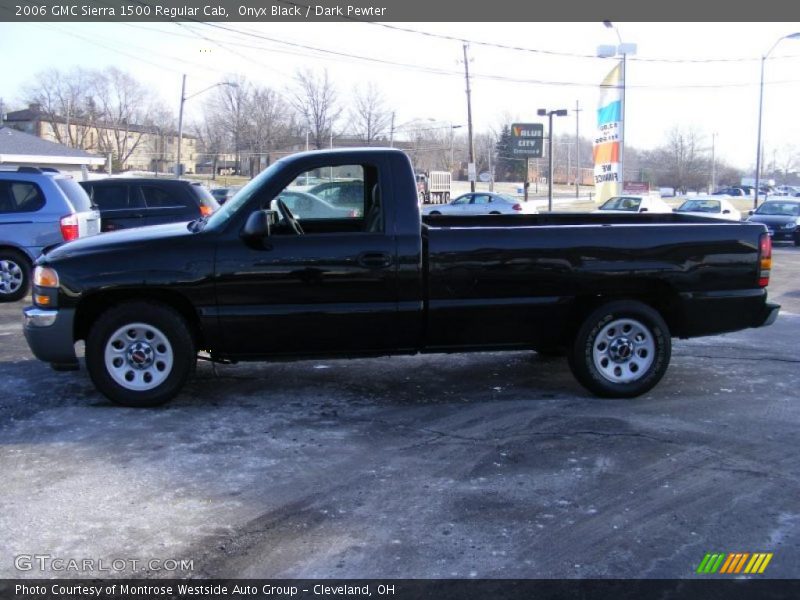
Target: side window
column 20, row 196
column 481, row 199
column 333, row 193
column 461, row 201
column 111, row 197
column 156, row 197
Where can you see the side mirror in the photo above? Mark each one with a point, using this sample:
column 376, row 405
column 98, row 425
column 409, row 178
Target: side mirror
column 674, row 210
column 258, row 224
column 750, row 212
column 726, row 212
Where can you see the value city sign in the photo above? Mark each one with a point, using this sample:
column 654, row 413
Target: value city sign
column 527, row 139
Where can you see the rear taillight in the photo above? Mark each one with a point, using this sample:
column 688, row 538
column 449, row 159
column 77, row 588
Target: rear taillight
column 205, row 210
column 516, row 207
column 69, row 228
column 765, row 259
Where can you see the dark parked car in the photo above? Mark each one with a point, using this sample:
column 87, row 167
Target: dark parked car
column 782, row 218
column 608, row 290
column 223, row 194
column 126, row 202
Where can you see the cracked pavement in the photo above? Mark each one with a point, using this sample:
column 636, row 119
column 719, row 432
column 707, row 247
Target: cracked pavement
column 491, row 465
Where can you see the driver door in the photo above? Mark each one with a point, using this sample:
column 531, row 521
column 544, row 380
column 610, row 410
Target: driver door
column 332, row 290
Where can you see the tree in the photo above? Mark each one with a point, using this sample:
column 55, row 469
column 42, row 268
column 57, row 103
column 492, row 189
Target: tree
column 67, row 95
column 314, row 97
column 369, row 117
column 509, row 168
column 682, row 163
column 269, row 122
column 231, row 105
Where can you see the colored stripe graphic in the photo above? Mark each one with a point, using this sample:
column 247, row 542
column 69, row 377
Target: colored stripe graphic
column 611, row 113
column 606, row 153
column 734, row 562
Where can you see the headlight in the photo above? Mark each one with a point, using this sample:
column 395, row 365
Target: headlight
column 790, row 225
column 45, row 277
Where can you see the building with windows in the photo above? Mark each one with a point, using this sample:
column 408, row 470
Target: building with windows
column 131, row 146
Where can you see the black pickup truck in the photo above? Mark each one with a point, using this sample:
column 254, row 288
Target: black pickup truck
column 255, row 281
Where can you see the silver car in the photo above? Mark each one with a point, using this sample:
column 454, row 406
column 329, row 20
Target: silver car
column 307, row 206
column 482, row 203
column 39, row 209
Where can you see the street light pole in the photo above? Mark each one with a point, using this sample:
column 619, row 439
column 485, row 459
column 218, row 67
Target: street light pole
column 791, row 36
column 184, row 98
column 562, row 112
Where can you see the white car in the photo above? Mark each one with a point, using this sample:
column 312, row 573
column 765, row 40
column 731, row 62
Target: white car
column 710, row 206
column 482, row 203
column 307, row 206
column 634, row 204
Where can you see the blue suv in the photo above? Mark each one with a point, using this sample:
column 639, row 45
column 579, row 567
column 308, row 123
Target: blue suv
column 39, row 209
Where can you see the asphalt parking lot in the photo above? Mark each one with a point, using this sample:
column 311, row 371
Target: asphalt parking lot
column 491, row 465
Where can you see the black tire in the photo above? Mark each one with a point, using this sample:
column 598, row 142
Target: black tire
column 152, row 316
column 797, row 240
column 434, row 212
column 494, row 212
column 603, row 369
column 15, row 275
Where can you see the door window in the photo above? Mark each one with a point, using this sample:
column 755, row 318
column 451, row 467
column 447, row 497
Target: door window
column 20, row 196
column 111, row 197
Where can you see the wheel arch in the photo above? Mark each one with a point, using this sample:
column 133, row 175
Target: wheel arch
column 658, row 295
column 93, row 305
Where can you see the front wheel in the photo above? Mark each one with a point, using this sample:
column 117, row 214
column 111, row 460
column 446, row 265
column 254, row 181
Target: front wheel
column 622, row 350
column 140, row 354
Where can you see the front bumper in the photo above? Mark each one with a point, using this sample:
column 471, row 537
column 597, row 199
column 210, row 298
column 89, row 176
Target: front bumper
column 49, row 334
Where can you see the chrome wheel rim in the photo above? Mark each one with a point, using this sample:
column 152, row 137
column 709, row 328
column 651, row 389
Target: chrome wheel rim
column 10, row 277
column 624, row 350
column 139, row 357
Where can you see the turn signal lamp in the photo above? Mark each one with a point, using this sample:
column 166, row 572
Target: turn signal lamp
column 45, row 277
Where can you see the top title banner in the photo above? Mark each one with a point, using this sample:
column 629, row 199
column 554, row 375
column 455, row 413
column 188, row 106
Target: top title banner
column 388, row 10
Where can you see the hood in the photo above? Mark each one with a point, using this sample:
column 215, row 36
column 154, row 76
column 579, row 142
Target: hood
column 772, row 219
column 116, row 239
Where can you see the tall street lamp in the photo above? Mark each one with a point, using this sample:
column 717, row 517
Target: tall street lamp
column 791, row 36
column 561, row 112
column 184, row 98
column 622, row 50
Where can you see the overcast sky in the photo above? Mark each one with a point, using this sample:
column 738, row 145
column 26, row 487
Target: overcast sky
column 717, row 96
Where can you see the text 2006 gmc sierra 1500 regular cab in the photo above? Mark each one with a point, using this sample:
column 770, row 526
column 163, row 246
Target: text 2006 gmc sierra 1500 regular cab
column 355, row 272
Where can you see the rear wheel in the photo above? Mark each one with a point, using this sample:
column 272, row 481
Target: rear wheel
column 622, row 350
column 434, row 212
column 15, row 275
column 140, row 354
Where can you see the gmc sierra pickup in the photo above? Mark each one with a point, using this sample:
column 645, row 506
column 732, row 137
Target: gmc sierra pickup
column 256, row 281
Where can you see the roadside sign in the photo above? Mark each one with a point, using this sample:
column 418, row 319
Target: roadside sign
column 527, row 139
column 471, row 171
column 485, row 176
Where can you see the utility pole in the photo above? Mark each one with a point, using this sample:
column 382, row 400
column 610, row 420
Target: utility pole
column 577, row 150
column 180, row 128
column 391, row 133
column 469, row 117
column 713, row 163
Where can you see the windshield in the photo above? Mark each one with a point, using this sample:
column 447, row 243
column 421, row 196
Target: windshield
column 705, row 206
column 622, row 203
column 783, row 209
column 220, row 217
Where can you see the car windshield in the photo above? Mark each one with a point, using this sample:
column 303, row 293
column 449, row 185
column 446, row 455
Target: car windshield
column 220, row 217
column 784, row 209
column 705, row 206
column 622, row 203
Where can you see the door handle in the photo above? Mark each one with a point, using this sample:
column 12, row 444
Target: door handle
column 375, row 260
